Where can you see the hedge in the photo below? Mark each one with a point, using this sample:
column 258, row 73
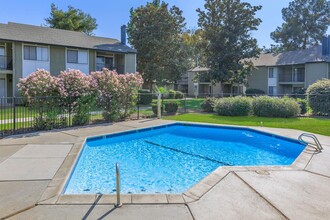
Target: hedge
column 145, row 97
column 318, row 97
column 208, row 105
column 265, row 106
column 254, row 92
column 233, row 106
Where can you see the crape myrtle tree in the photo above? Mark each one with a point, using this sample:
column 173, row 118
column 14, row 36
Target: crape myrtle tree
column 73, row 19
column 155, row 31
column 228, row 45
column 305, row 22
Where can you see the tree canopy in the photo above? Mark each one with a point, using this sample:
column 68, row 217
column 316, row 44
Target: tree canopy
column 73, row 19
column 227, row 46
column 155, row 30
column 305, row 22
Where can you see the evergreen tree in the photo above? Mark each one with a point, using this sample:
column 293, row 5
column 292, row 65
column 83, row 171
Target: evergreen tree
column 228, row 44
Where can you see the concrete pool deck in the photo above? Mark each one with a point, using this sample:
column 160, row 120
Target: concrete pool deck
column 33, row 169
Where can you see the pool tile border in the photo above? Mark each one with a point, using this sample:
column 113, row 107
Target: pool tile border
column 53, row 193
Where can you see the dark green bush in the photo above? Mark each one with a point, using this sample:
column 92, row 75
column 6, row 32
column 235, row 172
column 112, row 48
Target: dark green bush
column 318, row 96
column 303, row 105
column 154, row 109
column 266, row 106
column 171, row 107
column 233, row 106
column 171, row 94
column 145, row 97
column 208, row 105
column 254, row 92
column 179, row 95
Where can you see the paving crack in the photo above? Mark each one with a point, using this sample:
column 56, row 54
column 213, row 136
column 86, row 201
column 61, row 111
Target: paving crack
column 264, row 198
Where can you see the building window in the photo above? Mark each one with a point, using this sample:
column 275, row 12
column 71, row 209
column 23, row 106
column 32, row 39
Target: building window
column 270, row 72
column 77, row 56
column 35, row 53
column 270, row 90
column 104, row 62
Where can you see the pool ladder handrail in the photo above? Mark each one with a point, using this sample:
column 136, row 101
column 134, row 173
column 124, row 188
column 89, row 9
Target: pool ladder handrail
column 316, row 143
column 118, row 204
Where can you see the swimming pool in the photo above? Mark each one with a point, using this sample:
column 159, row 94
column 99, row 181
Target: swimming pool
column 171, row 159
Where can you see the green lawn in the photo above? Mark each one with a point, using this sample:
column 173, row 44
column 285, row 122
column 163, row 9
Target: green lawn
column 192, row 104
column 21, row 112
column 315, row 125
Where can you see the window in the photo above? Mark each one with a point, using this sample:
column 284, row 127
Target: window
column 104, row 62
column 30, row 53
column 271, row 73
column 2, row 51
column 35, row 53
column 270, row 90
column 77, row 56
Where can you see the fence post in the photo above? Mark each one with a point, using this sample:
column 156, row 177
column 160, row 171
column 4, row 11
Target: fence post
column 185, row 105
column 14, row 112
column 159, row 102
column 138, row 107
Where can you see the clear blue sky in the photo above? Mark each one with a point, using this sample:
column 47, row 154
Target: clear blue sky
column 111, row 14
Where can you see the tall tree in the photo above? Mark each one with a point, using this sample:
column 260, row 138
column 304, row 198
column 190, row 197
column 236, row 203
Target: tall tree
column 228, row 44
column 305, row 21
column 192, row 39
column 73, row 19
column 155, row 31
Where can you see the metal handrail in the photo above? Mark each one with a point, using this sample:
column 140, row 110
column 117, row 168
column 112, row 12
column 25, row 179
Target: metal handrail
column 312, row 136
column 118, row 204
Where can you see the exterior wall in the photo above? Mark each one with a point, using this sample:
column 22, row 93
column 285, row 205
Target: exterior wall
column 92, row 61
column 217, row 89
column 314, row 72
column 130, row 63
column 57, row 60
column 259, row 79
column 17, row 65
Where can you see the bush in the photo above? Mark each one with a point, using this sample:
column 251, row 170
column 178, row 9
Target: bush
column 179, row 95
column 318, row 96
column 254, row 92
column 208, row 105
column 145, row 97
column 171, row 94
column 154, row 109
column 265, row 106
column 303, row 105
column 171, row 107
column 233, row 106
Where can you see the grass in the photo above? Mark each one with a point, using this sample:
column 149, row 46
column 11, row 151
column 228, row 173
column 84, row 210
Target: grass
column 314, row 125
column 21, row 112
column 192, row 104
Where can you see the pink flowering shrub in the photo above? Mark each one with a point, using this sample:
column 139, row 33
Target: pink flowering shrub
column 129, row 85
column 39, row 84
column 118, row 93
column 74, row 83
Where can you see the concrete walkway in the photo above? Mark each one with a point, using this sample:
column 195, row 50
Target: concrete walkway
column 33, row 166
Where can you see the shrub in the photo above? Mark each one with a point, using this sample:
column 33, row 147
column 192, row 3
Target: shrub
column 233, row 106
column 318, row 96
column 171, row 94
column 145, row 97
column 155, row 109
column 208, row 105
column 265, row 106
column 171, row 107
column 254, row 92
column 179, row 95
column 303, row 105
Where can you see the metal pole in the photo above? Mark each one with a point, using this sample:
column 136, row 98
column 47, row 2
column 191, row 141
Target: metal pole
column 118, row 205
column 138, row 107
column 159, row 107
column 14, row 112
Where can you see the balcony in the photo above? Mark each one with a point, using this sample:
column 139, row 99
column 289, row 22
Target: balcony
column 6, row 63
column 294, row 78
column 119, row 68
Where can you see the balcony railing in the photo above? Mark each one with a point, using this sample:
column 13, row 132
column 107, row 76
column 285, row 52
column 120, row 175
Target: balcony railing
column 119, row 68
column 292, row 78
column 6, row 63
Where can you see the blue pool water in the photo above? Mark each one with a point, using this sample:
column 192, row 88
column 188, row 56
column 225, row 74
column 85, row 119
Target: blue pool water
column 171, row 159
